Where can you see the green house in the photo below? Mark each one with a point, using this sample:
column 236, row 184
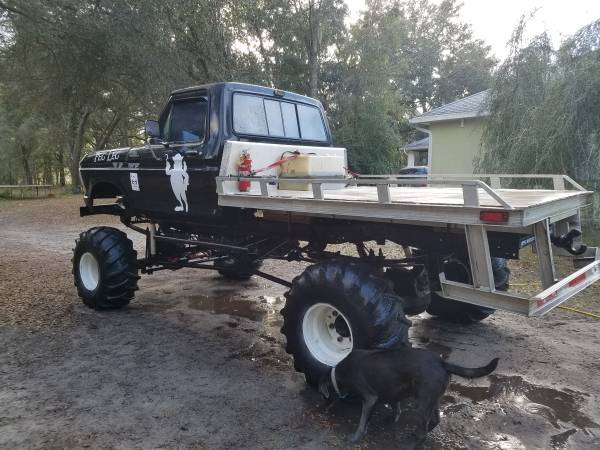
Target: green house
column 454, row 135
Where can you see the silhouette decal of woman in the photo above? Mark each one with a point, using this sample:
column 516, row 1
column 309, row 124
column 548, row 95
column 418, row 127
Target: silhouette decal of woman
column 179, row 180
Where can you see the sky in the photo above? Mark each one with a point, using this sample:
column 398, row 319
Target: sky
column 494, row 20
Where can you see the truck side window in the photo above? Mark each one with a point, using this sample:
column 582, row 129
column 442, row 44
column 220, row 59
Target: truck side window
column 187, row 121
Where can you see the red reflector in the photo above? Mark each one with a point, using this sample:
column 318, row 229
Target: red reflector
column 493, row 216
column 545, row 300
column 578, row 279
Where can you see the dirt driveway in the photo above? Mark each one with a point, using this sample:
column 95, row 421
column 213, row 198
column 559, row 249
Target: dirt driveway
column 198, row 362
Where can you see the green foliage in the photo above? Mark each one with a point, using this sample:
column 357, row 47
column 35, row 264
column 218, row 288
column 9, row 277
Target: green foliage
column 544, row 111
column 78, row 75
column 544, row 108
column 284, row 35
column 401, row 59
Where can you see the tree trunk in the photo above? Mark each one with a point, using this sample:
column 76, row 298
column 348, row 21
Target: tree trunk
column 313, row 47
column 25, row 153
column 10, row 173
column 109, row 131
column 60, row 173
column 126, row 141
column 76, row 144
column 47, row 172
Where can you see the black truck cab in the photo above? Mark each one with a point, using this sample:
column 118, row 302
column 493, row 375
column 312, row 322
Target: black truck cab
column 173, row 174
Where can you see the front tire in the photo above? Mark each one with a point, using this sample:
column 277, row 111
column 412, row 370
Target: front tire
column 335, row 307
column 105, row 268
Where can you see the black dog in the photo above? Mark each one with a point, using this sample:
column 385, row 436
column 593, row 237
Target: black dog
column 389, row 376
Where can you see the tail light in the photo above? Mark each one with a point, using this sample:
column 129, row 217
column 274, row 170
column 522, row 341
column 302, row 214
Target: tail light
column 578, row 279
column 493, row 216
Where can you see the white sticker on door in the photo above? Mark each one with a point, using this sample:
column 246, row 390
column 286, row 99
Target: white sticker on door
column 180, row 180
column 135, row 185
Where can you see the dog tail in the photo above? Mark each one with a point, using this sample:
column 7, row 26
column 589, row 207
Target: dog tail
column 474, row 372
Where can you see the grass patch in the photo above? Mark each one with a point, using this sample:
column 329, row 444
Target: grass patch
column 591, row 236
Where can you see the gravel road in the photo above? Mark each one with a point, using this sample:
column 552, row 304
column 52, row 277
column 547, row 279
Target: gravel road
column 198, row 362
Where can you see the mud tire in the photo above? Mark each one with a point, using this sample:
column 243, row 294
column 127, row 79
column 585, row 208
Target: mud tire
column 465, row 313
column 237, row 269
column 117, row 273
column 413, row 286
column 365, row 299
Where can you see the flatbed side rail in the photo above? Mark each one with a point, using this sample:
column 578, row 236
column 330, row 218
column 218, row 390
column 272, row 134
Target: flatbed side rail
column 470, row 187
column 559, row 182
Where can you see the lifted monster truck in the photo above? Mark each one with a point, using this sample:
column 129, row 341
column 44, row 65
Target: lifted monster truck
column 233, row 174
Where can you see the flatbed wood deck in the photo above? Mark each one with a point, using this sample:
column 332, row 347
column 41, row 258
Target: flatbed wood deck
column 386, row 201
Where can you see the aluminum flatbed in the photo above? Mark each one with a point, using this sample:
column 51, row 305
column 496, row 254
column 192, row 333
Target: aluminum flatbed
column 463, row 202
column 455, row 199
column 440, row 201
column 525, row 210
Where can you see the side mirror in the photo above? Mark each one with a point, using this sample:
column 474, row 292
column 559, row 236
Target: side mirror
column 152, row 130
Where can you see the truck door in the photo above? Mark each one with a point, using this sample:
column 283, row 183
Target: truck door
column 169, row 172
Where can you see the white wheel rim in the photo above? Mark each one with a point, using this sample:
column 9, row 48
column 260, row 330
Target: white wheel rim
column 327, row 333
column 89, row 271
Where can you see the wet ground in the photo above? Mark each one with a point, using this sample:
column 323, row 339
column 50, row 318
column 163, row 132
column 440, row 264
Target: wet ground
column 198, row 362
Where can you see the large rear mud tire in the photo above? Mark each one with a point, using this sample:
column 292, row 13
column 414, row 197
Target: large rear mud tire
column 105, row 268
column 465, row 313
column 336, row 306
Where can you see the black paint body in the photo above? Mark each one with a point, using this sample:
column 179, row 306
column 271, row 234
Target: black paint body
column 109, row 170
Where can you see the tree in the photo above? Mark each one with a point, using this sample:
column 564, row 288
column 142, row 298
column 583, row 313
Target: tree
column 293, row 39
column 402, row 58
column 87, row 72
column 59, row 57
column 544, row 108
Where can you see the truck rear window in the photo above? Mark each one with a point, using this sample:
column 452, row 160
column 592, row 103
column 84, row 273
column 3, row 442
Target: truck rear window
column 261, row 116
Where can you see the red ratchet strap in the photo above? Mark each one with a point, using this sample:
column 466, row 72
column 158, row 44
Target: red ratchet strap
column 276, row 163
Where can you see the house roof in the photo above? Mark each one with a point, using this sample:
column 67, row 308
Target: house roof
column 472, row 106
column 421, row 144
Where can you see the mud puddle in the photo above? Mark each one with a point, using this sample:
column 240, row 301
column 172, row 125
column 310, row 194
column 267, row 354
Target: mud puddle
column 560, row 408
column 225, row 302
column 266, row 345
